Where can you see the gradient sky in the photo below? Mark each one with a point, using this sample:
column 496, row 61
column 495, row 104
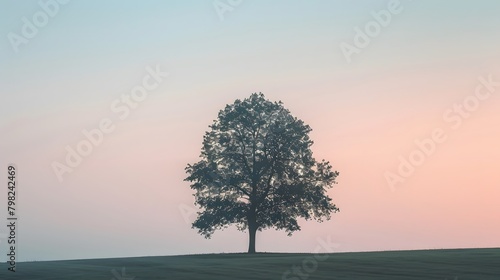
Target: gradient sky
column 127, row 197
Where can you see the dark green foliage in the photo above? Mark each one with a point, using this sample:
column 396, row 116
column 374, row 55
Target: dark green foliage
column 257, row 171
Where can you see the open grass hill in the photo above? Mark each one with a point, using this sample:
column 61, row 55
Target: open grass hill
column 457, row 264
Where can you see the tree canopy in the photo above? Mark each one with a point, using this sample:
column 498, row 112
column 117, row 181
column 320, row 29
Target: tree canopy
column 257, row 171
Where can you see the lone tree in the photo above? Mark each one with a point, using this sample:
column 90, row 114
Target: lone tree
column 257, row 171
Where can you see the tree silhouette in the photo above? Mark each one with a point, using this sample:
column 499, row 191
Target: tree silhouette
column 257, row 171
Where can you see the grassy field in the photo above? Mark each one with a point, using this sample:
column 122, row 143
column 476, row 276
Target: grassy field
column 460, row 264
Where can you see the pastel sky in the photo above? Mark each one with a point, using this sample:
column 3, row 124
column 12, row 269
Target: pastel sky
column 128, row 197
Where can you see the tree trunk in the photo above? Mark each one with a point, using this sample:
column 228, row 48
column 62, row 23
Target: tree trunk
column 251, row 244
column 252, row 230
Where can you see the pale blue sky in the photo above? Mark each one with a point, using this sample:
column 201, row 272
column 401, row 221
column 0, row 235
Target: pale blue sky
column 87, row 40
